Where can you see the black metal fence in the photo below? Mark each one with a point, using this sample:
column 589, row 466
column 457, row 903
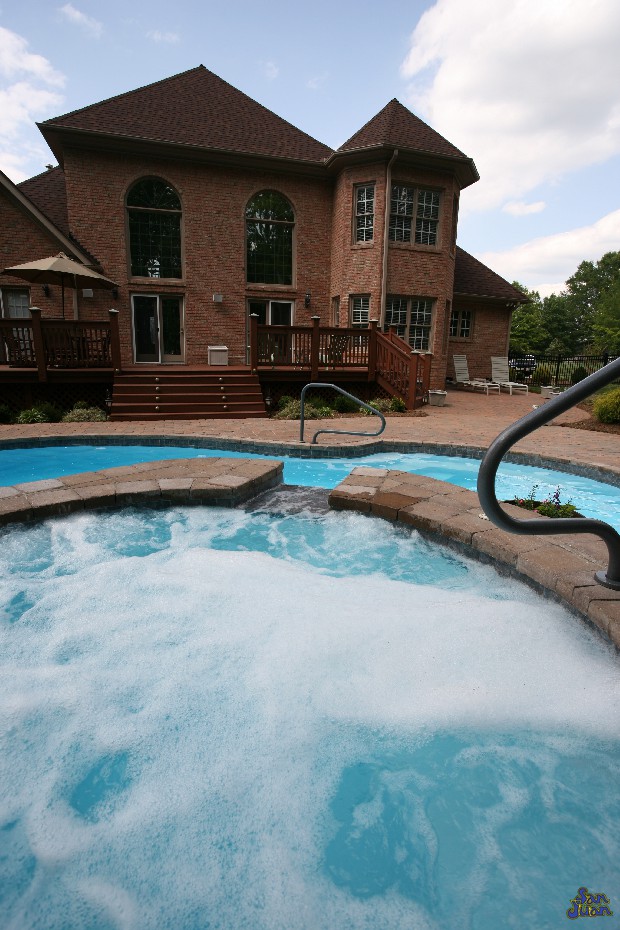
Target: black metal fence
column 555, row 369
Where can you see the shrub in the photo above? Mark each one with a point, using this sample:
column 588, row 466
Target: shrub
column 292, row 411
column 398, row 405
column 578, row 374
column 41, row 413
column 6, row 415
column 84, row 414
column 284, row 401
column 382, row 404
column 543, row 375
column 81, row 405
column 606, row 407
column 343, row 404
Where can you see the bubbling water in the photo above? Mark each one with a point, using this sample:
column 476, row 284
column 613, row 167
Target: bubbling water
column 221, row 719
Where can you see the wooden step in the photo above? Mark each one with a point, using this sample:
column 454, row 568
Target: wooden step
column 192, row 394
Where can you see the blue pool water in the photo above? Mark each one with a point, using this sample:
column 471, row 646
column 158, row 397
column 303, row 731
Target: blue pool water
column 219, row 719
column 593, row 498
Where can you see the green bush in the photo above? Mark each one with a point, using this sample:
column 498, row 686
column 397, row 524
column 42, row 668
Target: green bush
column 343, row 404
column 543, row 375
column 81, row 405
column 84, row 414
column 292, row 411
column 284, row 401
column 40, row 413
column 6, row 414
column 398, row 405
column 606, row 407
column 382, row 404
column 578, row 374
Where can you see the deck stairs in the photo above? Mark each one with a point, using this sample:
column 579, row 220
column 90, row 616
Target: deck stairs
column 184, row 393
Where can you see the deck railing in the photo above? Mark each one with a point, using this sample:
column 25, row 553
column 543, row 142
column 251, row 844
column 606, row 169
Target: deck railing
column 384, row 358
column 51, row 344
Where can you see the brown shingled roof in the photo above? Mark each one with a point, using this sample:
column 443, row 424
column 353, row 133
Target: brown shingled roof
column 397, row 126
column 47, row 191
column 473, row 279
column 196, row 108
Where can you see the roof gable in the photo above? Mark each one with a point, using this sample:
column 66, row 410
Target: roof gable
column 473, row 279
column 48, row 192
column 199, row 109
column 398, row 127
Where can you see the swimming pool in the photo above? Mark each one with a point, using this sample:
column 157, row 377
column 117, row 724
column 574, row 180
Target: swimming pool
column 222, row 719
column 593, row 498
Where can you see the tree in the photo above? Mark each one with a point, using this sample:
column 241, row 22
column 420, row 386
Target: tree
column 606, row 321
column 528, row 332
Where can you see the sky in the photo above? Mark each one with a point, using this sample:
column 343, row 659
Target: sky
column 527, row 88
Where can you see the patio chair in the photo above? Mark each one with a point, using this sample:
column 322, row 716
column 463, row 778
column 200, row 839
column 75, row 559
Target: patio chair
column 500, row 373
column 461, row 371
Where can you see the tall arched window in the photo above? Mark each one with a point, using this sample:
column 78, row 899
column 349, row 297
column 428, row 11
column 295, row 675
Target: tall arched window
column 269, row 238
column 154, row 210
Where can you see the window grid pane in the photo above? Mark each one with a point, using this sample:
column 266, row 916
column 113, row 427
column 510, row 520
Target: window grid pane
column 269, row 253
column 427, row 218
column 396, row 315
column 360, row 312
column 16, row 304
column 465, row 324
column 454, row 323
column 364, row 213
column 155, row 244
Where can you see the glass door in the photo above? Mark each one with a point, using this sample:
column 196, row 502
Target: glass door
column 158, row 329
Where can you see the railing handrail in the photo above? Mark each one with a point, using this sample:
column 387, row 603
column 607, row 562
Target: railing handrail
column 523, row 427
column 342, row 432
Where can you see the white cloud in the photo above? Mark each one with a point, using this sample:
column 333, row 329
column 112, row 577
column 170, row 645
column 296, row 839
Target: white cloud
column 90, row 25
column 169, row 37
column 520, row 208
column 542, row 263
column 314, row 83
column 270, row 70
column 529, row 89
column 29, row 90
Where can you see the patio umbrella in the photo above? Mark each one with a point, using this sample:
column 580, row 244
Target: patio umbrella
column 60, row 269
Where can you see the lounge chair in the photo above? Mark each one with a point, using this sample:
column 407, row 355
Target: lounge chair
column 500, row 373
column 461, row 371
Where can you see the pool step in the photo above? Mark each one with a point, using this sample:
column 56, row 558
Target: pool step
column 209, row 393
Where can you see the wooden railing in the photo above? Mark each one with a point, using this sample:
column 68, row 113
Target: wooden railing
column 384, row 358
column 51, row 344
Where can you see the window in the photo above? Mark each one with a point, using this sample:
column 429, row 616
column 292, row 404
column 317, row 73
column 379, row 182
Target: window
column 412, row 317
column 360, row 312
column 335, row 314
column 15, row 303
column 407, row 204
column 460, row 324
column 273, row 312
column 269, row 239
column 364, row 212
column 154, row 212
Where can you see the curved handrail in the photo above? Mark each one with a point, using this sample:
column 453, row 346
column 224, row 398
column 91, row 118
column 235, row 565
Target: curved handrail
column 344, row 432
column 525, row 426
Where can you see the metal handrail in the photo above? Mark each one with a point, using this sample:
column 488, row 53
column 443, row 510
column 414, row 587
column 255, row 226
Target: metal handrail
column 343, row 432
column 525, row 426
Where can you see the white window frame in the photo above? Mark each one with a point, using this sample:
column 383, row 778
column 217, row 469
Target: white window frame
column 461, row 324
column 414, row 217
column 364, row 231
column 359, row 311
column 5, row 293
column 415, row 319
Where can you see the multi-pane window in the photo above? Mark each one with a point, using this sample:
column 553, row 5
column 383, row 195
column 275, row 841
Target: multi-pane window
column 364, row 212
column 15, row 303
column 360, row 312
column 412, row 317
column 401, row 213
column 460, row 324
column 269, row 239
column 414, row 215
column 154, row 211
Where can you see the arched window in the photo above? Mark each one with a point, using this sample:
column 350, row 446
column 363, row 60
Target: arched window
column 154, row 210
column 269, row 238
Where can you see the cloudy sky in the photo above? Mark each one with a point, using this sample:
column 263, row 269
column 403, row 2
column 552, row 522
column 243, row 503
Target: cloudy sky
column 528, row 88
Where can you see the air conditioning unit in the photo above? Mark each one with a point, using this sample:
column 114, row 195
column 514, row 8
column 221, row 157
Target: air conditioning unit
column 217, row 355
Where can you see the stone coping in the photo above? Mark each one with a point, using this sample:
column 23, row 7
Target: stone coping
column 220, row 482
column 561, row 565
column 604, row 474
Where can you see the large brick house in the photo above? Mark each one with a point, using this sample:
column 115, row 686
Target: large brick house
column 206, row 208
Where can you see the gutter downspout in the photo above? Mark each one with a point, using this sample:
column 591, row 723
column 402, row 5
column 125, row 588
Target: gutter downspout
column 386, row 229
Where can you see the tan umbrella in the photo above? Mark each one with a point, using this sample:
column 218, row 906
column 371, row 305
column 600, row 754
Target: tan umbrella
column 60, row 269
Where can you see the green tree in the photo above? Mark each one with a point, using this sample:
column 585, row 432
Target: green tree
column 528, row 332
column 606, row 321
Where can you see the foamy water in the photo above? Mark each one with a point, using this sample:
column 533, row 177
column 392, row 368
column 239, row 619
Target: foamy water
column 218, row 719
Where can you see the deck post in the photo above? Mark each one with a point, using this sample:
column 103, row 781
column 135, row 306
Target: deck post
column 115, row 342
column 314, row 348
column 372, row 350
column 253, row 342
column 38, row 344
column 413, row 380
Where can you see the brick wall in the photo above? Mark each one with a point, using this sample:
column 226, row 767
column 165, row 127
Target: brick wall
column 489, row 336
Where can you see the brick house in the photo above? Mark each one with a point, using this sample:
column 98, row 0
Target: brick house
column 208, row 211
